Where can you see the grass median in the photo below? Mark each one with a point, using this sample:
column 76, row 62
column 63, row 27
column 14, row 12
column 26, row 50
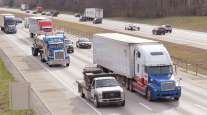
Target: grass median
column 183, row 54
column 5, row 78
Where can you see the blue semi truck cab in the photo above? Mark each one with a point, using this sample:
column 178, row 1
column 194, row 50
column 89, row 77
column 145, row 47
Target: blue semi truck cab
column 51, row 49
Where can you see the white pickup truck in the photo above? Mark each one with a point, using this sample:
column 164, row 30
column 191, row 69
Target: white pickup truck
column 100, row 88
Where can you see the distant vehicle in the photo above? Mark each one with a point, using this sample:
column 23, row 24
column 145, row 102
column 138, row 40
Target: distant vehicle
column 55, row 13
column 39, row 9
column 77, row 14
column 92, row 13
column 39, row 25
column 132, row 27
column 82, row 19
column 83, row 43
column 27, row 11
column 69, row 46
column 97, row 21
column 18, row 20
column 143, row 66
column 51, row 49
column 159, row 31
column 8, row 23
column 24, row 7
column 34, row 12
column 48, row 13
column 43, row 13
column 168, row 28
column 100, row 88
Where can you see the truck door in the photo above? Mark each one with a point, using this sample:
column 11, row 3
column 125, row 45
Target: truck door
column 139, row 79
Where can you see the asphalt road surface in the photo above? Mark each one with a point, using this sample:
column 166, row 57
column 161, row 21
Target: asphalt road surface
column 192, row 102
column 184, row 37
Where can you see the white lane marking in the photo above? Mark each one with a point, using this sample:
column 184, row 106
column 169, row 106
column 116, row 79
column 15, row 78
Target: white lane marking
column 201, row 107
column 68, row 86
column 145, row 106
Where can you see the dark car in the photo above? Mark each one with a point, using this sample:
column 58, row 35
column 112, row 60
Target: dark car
column 77, row 14
column 97, row 21
column 168, row 28
column 159, row 31
column 27, row 11
column 55, row 13
column 34, row 12
column 18, row 20
column 132, row 27
column 69, row 46
column 82, row 19
column 43, row 13
column 83, row 43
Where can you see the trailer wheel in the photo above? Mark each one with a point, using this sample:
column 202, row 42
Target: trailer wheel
column 149, row 95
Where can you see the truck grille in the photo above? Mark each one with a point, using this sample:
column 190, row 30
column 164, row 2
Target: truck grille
column 167, row 86
column 59, row 55
column 111, row 94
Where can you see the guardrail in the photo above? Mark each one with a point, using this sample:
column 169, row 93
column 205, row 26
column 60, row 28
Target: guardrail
column 186, row 66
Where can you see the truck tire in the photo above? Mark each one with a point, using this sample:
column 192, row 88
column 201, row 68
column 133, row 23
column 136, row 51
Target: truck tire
column 96, row 103
column 123, row 103
column 149, row 95
column 35, row 52
column 67, row 65
column 82, row 94
column 2, row 29
column 177, row 98
column 31, row 35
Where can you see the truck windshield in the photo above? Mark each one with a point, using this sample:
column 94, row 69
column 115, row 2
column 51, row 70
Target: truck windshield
column 10, row 21
column 106, row 83
column 60, row 45
column 158, row 70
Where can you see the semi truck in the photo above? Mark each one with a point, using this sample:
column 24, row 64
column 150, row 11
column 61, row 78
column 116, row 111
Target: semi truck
column 143, row 66
column 39, row 25
column 93, row 14
column 100, row 88
column 24, row 7
column 39, row 9
column 8, row 23
column 51, row 49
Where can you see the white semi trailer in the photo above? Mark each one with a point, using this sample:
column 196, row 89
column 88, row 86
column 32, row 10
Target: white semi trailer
column 142, row 65
column 92, row 13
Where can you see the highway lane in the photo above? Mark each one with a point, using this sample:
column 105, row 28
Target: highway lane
column 193, row 100
column 180, row 36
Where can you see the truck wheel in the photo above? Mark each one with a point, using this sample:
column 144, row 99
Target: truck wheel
column 123, row 103
column 36, row 51
column 67, row 65
column 177, row 98
column 82, row 94
column 96, row 103
column 149, row 95
column 31, row 35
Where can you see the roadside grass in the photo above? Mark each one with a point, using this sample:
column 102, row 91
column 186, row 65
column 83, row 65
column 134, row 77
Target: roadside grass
column 197, row 23
column 181, row 54
column 5, row 78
